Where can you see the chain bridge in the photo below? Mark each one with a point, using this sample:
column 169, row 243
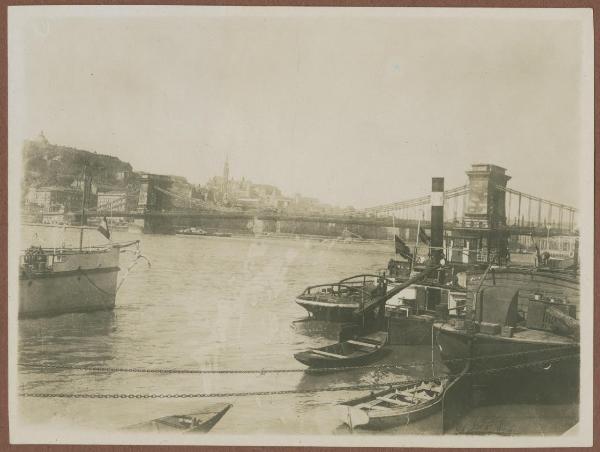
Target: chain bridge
column 485, row 202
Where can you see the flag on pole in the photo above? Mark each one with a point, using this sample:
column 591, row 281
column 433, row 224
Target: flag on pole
column 103, row 228
column 423, row 236
column 401, row 248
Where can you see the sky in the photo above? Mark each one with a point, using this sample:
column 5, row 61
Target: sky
column 352, row 107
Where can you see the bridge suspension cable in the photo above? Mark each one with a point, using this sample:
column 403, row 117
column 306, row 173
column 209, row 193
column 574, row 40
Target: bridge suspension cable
column 545, row 213
column 108, row 206
column 415, row 202
column 198, row 202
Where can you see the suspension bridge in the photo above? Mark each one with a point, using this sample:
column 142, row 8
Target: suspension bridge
column 484, row 202
column 525, row 214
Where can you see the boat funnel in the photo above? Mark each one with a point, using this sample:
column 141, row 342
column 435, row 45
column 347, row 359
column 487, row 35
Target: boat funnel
column 437, row 219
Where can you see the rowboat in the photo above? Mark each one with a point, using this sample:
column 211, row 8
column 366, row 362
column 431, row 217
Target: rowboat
column 197, row 422
column 351, row 352
column 398, row 405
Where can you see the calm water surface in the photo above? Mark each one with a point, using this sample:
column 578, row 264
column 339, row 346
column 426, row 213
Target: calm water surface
column 206, row 303
column 222, row 303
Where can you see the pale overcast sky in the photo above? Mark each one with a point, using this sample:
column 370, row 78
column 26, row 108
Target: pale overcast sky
column 348, row 107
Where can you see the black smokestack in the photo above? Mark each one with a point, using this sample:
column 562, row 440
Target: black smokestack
column 437, row 218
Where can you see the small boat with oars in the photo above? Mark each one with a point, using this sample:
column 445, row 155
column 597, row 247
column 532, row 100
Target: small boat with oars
column 197, row 422
column 352, row 352
column 397, row 405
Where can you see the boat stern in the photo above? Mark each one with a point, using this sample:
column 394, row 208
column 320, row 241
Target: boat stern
column 352, row 416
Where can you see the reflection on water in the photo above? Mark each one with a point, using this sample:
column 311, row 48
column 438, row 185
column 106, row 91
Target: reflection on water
column 207, row 303
column 70, row 339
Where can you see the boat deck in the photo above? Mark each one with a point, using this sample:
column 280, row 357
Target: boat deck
column 520, row 334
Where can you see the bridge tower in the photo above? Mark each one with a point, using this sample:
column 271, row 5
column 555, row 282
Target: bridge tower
column 482, row 235
column 152, row 196
column 146, row 198
column 486, row 207
column 152, row 201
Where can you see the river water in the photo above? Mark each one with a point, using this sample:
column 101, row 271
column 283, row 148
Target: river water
column 205, row 303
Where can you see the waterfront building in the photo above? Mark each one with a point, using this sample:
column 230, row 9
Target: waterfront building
column 54, row 199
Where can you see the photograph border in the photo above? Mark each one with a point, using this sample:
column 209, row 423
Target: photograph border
column 4, row 341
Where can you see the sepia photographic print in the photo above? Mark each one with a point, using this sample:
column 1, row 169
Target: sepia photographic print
column 300, row 226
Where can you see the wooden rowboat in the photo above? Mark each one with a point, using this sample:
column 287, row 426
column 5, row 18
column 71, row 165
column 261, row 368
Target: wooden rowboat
column 197, row 422
column 352, row 352
column 394, row 406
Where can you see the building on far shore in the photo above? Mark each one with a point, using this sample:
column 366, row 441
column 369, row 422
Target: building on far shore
column 55, row 199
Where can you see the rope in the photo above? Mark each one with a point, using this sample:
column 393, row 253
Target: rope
column 110, row 294
column 280, row 392
column 133, row 264
column 100, row 289
column 270, row 371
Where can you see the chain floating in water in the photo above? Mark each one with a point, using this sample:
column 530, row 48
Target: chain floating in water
column 287, row 391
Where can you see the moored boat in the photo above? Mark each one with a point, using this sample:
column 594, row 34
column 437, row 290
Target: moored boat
column 66, row 279
column 196, row 422
column 394, row 406
column 201, row 232
column 352, row 352
column 341, row 301
column 56, row 281
column 524, row 323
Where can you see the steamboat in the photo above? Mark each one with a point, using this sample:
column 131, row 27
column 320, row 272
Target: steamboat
column 61, row 280
column 482, row 311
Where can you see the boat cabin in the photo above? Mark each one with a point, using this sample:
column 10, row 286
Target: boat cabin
column 476, row 246
column 422, row 298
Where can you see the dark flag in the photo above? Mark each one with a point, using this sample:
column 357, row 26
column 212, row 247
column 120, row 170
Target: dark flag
column 402, row 249
column 103, row 228
column 423, row 236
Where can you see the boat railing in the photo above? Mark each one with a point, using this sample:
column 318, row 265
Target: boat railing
column 350, row 289
column 76, row 250
column 364, row 277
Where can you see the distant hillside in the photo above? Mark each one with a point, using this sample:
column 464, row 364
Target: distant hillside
column 46, row 164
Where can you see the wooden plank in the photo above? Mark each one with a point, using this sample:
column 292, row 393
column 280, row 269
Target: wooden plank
column 394, row 401
column 361, row 343
column 332, row 355
column 414, row 395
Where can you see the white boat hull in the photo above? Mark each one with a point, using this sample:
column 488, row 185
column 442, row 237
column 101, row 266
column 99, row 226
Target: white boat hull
column 75, row 283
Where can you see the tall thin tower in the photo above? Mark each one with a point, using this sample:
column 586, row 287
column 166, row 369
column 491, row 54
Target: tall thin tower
column 225, row 188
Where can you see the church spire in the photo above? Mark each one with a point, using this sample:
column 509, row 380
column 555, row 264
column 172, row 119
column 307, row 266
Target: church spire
column 226, row 169
column 225, row 188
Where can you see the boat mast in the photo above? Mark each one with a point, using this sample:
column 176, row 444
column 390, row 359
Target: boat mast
column 83, row 201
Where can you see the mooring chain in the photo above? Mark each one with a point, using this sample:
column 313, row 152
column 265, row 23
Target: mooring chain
column 266, row 371
column 100, row 289
column 289, row 391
